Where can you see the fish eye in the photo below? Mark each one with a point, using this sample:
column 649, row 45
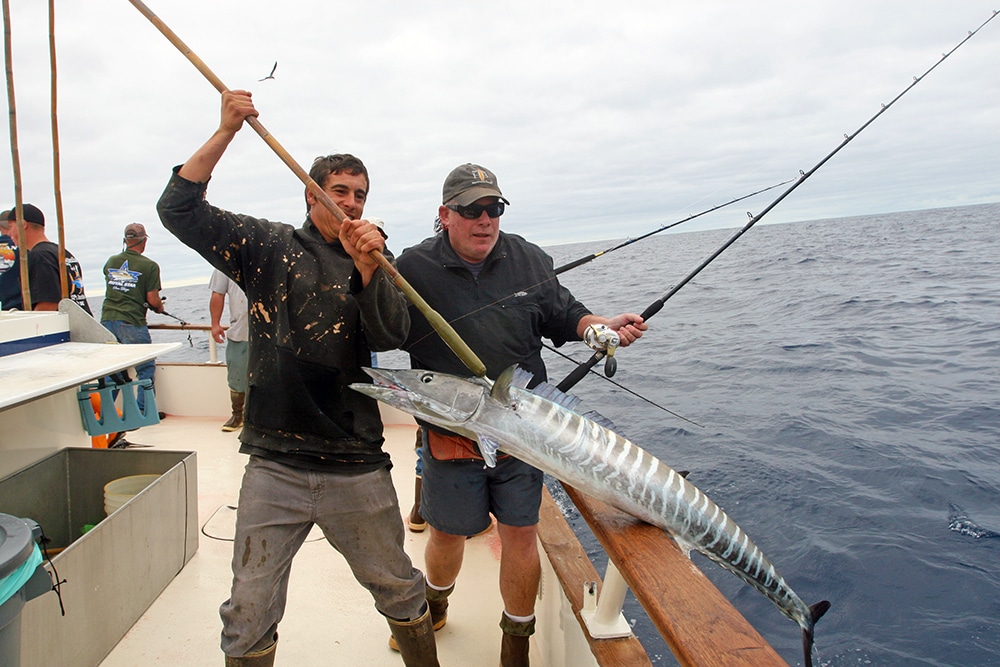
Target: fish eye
column 427, row 378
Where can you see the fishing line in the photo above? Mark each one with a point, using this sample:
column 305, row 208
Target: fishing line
column 630, row 241
column 655, row 307
column 623, row 387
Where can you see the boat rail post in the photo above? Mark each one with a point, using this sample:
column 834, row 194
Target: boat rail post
column 603, row 617
column 213, row 350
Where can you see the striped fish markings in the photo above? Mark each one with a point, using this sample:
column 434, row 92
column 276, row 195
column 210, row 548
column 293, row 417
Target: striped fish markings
column 577, row 450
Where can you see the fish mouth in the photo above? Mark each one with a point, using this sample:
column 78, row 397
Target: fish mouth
column 413, row 391
column 383, row 378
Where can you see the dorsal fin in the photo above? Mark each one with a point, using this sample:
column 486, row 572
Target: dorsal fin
column 513, row 376
column 552, row 393
column 601, row 420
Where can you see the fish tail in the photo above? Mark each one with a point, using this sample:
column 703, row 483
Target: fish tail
column 816, row 612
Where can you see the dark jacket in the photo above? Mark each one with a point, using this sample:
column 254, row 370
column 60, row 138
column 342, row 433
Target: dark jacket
column 312, row 328
column 502, row 314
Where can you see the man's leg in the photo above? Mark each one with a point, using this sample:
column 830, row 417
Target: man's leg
column 520, row 568
column 270, row 528
column 443, row 557
column 359, row 515
column 129, row 334
column 516, row 492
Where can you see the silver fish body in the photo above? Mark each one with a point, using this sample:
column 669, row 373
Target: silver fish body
column 593, row 458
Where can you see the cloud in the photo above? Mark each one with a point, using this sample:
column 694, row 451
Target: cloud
column 600, row 120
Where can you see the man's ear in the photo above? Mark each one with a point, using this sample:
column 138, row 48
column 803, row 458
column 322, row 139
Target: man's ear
column 443, row 215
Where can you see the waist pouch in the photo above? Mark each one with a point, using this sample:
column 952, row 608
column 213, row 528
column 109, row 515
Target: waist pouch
column 454, row 447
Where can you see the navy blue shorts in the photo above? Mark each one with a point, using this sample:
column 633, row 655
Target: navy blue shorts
column 457, row 497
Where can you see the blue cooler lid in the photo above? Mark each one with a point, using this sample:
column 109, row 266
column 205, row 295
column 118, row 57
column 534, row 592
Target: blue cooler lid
column 16, row 543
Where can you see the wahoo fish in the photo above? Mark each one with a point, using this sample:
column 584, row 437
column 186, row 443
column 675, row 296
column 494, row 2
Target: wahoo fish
column 542, row 428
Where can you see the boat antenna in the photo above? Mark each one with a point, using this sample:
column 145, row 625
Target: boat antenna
column 630, row 241
column 580, row 371
column 445, row 330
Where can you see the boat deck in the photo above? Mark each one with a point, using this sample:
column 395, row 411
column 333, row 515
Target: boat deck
column 330, row 618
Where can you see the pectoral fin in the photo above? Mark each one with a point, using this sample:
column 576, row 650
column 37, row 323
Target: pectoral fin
column 488, row 447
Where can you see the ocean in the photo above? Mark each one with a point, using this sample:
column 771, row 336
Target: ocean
column 843, row 377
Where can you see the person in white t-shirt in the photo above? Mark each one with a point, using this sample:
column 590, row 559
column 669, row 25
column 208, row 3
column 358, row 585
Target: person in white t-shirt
column 237, row 346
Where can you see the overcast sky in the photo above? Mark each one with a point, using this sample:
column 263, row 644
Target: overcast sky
column 601, row 120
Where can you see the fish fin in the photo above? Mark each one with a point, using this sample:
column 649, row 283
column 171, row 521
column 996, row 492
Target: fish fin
column 520, row 377
column 816, row 612
column 513, row 376
column 488, row 448
column 554, row 394
column 600, row 419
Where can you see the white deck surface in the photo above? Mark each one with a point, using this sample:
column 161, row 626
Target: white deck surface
column 329, row 619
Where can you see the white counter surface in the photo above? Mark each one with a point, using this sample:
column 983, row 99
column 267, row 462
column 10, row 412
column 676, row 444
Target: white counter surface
column 30, row 375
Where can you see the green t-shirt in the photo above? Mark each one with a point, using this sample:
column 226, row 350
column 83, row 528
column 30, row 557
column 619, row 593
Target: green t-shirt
column 129, row 276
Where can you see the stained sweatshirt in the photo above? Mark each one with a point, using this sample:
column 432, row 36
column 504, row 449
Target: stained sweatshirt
column 312, row 329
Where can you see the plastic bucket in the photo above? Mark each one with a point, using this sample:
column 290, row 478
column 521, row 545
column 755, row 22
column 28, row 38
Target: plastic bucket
column 119, row 491
column 19, row 557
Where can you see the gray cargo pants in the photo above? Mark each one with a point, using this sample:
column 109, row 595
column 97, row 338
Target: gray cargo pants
column 360, row 517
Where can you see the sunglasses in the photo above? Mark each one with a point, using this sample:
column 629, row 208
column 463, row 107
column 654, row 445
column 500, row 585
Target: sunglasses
column 473, row 211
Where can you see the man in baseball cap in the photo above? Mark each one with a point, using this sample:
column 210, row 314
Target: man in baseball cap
column 500, row 293
column 133, row 287
column 43, row 264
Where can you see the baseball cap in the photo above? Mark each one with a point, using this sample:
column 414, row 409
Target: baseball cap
column 469, row 182
column 31, row 214
column 135, row 231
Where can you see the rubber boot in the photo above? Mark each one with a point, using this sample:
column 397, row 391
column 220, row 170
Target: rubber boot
column 414, row 521
column 514, row 644
column 261, row 658
column 437, row 604
column 415, row 640
column 236, row 421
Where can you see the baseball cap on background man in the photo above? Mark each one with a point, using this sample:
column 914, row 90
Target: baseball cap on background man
column 135, row 231
column 469, row 182
column 31, row 214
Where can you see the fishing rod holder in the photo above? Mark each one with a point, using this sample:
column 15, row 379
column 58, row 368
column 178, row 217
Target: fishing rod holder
column 603, row 616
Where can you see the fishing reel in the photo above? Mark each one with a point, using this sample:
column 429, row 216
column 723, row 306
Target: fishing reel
column 604, row 339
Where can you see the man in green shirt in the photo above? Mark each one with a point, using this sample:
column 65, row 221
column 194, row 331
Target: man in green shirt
column 133, row 287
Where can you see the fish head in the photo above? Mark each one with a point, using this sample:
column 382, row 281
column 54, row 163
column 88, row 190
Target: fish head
column 441, row 399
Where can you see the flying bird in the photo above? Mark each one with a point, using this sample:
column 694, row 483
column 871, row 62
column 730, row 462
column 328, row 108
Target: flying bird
column 271, row 75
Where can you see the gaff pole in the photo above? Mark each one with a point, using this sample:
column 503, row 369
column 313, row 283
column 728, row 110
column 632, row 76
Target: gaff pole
column 445, row 330
column 580, row 371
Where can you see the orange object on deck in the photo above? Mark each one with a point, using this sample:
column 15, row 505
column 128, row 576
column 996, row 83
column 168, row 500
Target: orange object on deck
column 100, row 441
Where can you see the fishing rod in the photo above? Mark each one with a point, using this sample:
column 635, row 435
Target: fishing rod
column 580, row 371
column 447, row 333
column 630, row 241
column 183, row 323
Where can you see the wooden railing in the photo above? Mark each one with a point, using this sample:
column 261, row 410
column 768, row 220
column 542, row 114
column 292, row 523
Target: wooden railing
column 699, row 625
